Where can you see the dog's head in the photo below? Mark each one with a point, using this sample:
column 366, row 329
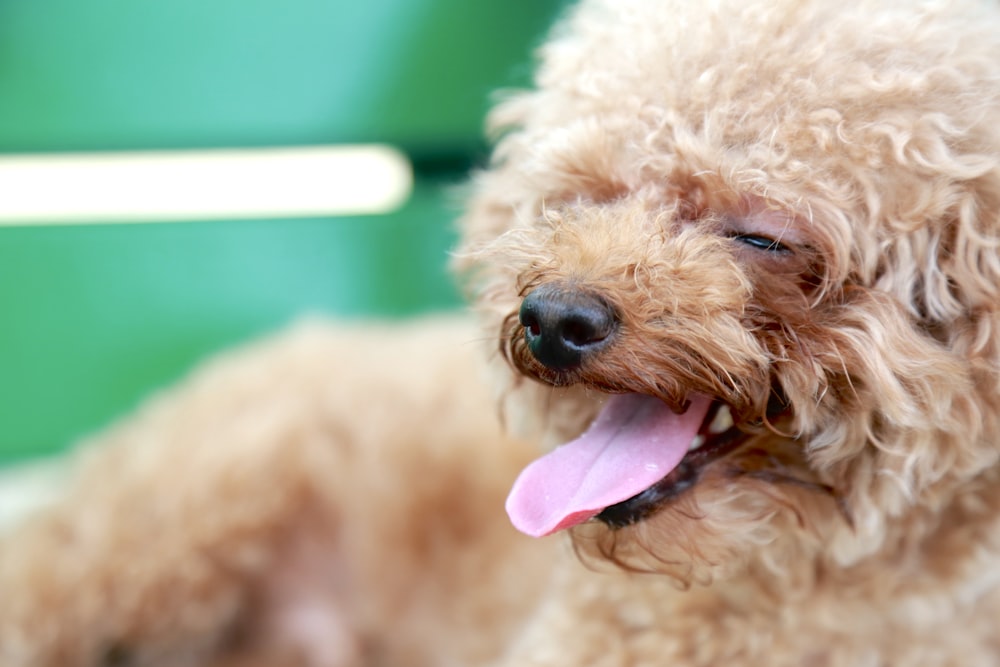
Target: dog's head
column 747, row 255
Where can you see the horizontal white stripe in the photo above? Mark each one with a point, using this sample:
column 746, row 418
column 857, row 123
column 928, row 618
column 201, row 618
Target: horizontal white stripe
column 203, row 184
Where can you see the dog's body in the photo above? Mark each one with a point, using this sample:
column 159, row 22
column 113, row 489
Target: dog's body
column 757, row 244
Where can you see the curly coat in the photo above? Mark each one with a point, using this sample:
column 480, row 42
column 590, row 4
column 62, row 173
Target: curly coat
column 791, row 206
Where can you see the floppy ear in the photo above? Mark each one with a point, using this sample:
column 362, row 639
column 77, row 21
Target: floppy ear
column 971, row 263
column 940, row 249
column 969, row 255
column 917, row 427
column 962, row 292
column 922, row 346
column 947, row 273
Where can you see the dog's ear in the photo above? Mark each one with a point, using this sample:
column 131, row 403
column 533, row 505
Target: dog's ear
column 961, row 281
column 939, row 252
column 973, row 260
column 918, row 429
column 966, row 278
column 920, row 353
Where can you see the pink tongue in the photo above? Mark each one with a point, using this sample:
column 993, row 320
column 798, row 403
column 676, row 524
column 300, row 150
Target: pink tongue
column 634, row 442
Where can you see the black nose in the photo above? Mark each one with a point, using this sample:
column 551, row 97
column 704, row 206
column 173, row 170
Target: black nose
column 563, row 325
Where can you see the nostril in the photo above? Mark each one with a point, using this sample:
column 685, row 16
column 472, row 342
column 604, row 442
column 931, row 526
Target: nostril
column 563, row 325
column 531, row 324
column 586, row 327
column 576, row 333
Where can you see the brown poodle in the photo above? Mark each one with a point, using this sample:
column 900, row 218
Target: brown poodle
column 743, row 258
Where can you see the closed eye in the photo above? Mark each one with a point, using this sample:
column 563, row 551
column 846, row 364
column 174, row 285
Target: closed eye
column 759, row 242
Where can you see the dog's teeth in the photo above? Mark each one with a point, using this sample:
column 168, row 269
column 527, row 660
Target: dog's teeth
column 722, row 421
column 696, row 442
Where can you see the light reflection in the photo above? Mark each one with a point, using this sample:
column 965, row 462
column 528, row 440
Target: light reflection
column 156, row 186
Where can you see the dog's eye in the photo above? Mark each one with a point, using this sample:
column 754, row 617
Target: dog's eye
column 759, row 242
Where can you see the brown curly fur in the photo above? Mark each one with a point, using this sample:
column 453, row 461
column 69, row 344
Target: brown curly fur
column 292, row 503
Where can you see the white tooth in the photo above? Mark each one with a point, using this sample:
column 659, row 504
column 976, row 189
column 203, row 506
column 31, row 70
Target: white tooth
column 722, row 421
column 696, row 442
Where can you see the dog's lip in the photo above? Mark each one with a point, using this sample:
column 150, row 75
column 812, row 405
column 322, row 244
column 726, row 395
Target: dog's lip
column 717, row 438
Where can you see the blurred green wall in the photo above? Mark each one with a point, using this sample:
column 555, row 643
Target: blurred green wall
column 93, row 318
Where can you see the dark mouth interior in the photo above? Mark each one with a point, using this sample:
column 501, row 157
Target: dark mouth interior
column 678, row 480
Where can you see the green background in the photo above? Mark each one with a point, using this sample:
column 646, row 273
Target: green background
column 94, row 317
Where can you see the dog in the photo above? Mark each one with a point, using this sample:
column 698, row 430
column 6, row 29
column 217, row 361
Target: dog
column 736, row 268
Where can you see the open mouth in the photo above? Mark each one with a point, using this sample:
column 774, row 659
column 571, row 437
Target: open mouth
column 634, row 457
column 717, row 437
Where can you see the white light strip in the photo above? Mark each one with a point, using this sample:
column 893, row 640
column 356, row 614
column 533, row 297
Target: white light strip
column 204, row 184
